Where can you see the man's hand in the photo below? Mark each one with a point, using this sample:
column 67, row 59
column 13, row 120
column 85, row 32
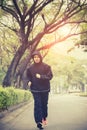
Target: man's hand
column 29, row 83
column 38, row 76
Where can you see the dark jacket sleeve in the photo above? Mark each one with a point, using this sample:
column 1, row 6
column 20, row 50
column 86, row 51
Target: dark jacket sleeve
column 48, row 73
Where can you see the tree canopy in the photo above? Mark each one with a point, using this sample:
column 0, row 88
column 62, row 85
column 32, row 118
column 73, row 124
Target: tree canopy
column 32, row 21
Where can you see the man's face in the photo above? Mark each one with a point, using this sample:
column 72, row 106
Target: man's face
column 36, row 59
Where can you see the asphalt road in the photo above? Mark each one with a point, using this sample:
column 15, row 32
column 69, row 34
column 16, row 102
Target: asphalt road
column 66, row 112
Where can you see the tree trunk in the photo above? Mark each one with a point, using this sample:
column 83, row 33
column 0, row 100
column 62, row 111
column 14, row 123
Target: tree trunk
column 21, row 72
column 8, row 79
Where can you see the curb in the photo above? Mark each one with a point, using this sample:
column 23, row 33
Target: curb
column 13, row 108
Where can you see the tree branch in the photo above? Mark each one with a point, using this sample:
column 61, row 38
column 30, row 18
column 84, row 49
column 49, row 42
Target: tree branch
column 10, row 11
column 49, row 45
column 17, row 8
column 9, row 27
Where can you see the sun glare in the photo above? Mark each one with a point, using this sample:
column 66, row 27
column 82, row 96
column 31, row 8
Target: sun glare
column 65, row 30
column 64, row 46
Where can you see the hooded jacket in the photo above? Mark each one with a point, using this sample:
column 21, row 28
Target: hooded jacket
column 41, row 84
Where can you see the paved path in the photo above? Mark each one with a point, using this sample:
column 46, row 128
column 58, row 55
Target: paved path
column 66, row 112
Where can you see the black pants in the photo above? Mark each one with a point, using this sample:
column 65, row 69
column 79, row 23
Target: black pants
column 40, row 105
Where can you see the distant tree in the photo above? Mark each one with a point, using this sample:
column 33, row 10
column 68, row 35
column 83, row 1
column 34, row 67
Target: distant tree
column 36, row 18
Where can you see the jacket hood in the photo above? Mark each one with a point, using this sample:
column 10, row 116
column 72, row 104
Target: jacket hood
column 37, row 53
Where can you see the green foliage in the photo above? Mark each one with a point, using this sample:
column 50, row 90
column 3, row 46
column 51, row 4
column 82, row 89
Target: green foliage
column 67, row 71
column 83, row 94
column 11, row 96
column 2, row 74
column 4, row 99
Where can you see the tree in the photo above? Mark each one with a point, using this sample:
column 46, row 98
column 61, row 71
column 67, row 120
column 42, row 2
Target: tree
column 34, row 19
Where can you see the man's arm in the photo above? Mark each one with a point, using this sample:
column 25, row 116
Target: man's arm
column 48, row 74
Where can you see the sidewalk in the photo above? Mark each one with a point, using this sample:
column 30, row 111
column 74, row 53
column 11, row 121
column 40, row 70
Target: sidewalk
column 19, row 118
column 11, row 109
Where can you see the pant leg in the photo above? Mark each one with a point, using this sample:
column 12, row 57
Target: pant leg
column 37, row 107
column 44, row 100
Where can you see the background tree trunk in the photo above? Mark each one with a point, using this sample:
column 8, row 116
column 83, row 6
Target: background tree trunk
column 8, row 79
